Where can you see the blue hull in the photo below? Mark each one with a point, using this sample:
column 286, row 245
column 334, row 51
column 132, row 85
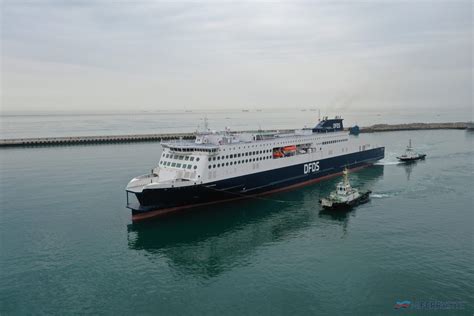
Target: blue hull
column 161, row 201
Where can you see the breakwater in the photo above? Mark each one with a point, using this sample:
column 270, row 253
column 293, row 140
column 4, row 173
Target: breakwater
column 412, row 127
column 82, row 140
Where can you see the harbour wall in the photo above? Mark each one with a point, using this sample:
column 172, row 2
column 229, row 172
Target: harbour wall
column 82, row 140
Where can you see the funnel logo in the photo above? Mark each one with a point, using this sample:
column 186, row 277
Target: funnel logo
column 402, row 304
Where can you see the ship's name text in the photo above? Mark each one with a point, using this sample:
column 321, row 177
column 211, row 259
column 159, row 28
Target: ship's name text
column 311, row 167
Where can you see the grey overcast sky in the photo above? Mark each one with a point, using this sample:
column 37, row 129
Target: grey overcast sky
column 154, row 55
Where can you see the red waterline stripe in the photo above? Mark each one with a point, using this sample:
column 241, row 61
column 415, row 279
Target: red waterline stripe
column 161, row 212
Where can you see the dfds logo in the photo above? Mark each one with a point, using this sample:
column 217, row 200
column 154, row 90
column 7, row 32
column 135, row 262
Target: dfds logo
column 311, row 167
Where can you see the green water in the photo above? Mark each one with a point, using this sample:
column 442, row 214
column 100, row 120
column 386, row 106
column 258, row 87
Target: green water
column 68, row 245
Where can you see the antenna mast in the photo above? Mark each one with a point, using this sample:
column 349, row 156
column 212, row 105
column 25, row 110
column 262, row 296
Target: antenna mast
column 206, row 124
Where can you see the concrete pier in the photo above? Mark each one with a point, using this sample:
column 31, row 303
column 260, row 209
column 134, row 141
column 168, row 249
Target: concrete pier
column 81, row 140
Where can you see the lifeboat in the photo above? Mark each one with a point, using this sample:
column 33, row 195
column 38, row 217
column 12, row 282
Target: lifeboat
column 289, row 148
column 277, row 154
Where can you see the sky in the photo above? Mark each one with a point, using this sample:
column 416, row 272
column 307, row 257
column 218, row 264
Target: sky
column 160, row 55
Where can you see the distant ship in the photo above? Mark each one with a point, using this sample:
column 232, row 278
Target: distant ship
column 245, row 110
column 470, row 126
column 226, row 166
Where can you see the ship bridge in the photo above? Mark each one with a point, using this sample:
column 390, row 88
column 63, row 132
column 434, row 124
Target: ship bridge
column 189, row 147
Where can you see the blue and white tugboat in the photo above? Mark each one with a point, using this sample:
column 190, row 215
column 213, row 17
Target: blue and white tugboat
column 345, row 196
column 226, row 166
column 410, row 154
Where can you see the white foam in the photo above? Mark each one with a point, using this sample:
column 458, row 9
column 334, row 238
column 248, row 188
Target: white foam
column 387, row 163
column 380, row 195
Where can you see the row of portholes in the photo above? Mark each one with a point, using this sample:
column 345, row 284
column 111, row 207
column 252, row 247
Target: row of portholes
column 335, row 141
column 238, row 162
column 272, row 144
column 231, row 156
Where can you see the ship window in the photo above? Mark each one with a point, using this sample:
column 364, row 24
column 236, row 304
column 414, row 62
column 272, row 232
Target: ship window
column 227, row 157
column 226, row 163
column 188, row 167
column 186, row 158
column 209, row 167
column 184, row 166
column 231, row 156
column 246, row 160
column 231, row 163
column 197, row 159
column 173, row 164
column 168, row 163
column 178, row 165
column 192, row 158
column 213, row 166
column 180, row 157
column 195, row 167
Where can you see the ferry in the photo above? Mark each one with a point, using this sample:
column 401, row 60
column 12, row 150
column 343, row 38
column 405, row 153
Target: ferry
column 226, row 166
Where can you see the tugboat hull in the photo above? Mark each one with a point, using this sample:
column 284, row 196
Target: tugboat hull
column 420, row 157
column 363, row 198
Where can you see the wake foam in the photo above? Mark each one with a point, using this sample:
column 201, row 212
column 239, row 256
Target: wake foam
column 387, row 163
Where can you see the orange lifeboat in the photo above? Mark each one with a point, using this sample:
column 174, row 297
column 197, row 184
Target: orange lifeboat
column 289, row 148
column 277, row 154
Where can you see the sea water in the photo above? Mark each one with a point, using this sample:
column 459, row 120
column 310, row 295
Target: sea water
column 68, row 245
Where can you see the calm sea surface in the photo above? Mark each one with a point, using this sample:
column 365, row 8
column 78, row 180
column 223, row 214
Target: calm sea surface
column 68, row 245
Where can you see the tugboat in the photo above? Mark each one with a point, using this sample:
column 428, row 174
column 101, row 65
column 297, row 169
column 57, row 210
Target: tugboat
column 345, row 196
column 410, row 154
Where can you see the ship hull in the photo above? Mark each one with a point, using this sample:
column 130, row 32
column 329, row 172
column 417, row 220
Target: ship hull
column 157, row 202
